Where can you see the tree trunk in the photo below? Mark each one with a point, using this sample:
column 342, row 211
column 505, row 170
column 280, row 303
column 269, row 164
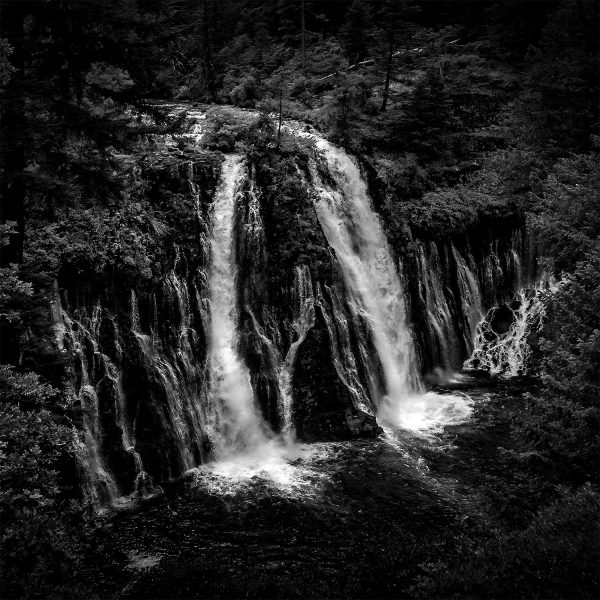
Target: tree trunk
column 303, row 19
column 280, row 116
column 208, row 70
column 388, row 77
column 14, row 132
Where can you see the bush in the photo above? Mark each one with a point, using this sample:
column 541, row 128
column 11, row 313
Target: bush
column 40, row 527
column 556, row 556
column 565, row 216
column 562, row 421
column 228, row 131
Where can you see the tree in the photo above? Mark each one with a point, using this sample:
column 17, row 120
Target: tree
column 564, row 76
column 6, row 69
column 565, row 217
column 38, row 543
column 209, row 18
column 395, row 17
column 511, row 26
column 69, row 79
column 303, row 21
column 561, row 425
column 355, row 32
column 278, row 90
column 430, row 118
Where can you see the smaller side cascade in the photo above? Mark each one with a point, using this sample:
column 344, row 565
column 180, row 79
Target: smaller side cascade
column 501, row 342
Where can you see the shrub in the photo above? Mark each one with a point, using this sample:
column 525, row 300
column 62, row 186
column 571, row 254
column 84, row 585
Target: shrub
column 556, row 556
column 40, row 528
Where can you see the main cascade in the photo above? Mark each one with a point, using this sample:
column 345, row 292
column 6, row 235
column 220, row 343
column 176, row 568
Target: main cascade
column 236, row 425
column 372, row 283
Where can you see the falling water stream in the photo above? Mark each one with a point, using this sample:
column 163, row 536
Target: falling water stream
column 238, row 427
column 375, row 293
column 303, row 321
column 244, row 448
column 507, row 353
column 354, row 232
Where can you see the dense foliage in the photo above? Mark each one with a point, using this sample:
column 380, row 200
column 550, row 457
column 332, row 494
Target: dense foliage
column 542, row 475
column 460, row 111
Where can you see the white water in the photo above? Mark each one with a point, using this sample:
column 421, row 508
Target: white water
column 470, row 297
column 98, row 482
column 507, row 353
column 293, row 472
column 354, row 232
column 304, row 319
column 429, row 413
column 237, row 426
column 440, row 320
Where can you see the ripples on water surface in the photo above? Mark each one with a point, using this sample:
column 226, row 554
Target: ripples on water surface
column 352, row 519
column 428, row 413
column 287, row 470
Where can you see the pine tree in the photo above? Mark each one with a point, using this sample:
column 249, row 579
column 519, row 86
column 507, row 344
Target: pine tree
column 396, row 24
column 564, row 76
column 356, row 31
column 70, row 79
column 430, row 117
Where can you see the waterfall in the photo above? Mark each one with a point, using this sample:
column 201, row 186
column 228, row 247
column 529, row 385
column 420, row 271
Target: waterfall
column 450, row 302
column 142, row 483
column 344, row 359
column 501, row 342
column 454, row 291
column 470, row 298
column 434, row 297
column 177, row 376
column 202, row 365
column 236, row 425
column 374, row 291
column 81, row 337
column 303, row 320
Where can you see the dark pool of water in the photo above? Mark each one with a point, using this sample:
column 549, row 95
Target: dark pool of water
column 360, row 519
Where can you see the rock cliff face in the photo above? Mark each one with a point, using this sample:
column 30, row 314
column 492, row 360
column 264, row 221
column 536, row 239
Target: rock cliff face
column 138, row 347
column 453, row 282
column 330, row 320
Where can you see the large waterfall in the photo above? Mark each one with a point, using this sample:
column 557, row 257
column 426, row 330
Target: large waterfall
column 213, row 365
column 237, row 425
column 374, row 291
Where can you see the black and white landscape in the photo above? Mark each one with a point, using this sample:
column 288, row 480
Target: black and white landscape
column 299, row 299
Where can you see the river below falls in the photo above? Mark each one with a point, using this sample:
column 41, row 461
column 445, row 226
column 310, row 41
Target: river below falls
column 365, row 518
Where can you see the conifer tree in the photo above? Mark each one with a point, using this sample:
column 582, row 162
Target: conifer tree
column 564, row 75
column 69, row 78
column 430, row 116
column 356, row 31
column 395, row 17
